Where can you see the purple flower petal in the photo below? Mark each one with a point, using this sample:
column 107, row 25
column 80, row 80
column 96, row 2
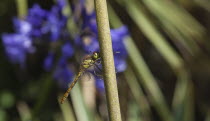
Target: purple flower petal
column 100, row 84
column 55, row 24
column 120, row 64
column 36, row 15
column 63, row 75
column 48, row 62
column 67, row 50
column 90, row 44
column 21, row 26
column 17, row 46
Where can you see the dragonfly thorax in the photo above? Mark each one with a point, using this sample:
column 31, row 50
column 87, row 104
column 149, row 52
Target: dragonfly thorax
column 88, row 62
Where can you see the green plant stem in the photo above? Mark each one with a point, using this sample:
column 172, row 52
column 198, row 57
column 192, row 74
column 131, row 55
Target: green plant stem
column 138, row 94
column 203, row 3
column 207, row 116
column 148, row 80
column 80, row 108
column 155, row 37
column 108, row 61
column 67, row 111
column 189, row 103
column 71, row 25
column 22, row 8
column 136, row 12
column 24, row 111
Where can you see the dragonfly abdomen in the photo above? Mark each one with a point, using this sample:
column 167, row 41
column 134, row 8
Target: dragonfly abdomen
column 72, row 85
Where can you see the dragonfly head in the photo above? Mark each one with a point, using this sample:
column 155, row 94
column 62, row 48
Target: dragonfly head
column 96, row 55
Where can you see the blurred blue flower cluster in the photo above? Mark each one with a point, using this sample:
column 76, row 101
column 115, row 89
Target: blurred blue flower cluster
column 50, row 27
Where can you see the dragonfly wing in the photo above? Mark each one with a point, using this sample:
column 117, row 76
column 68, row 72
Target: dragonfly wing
column 98, row 71
column 87, row 76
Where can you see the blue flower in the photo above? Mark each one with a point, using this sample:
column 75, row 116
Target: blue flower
column 118, row 36
column 22, row 26
column 120, row 52
column 120, row 64
column 55, row 24
column 67, row 50
column 89, row 21
column 90, row 44
column 40, row 25
column 17, row 46
column 99, row 84
column 48, row 62
column 87, row 18
column 52, row 27
column 61, row 3
column 36, row 17
column 63, row 74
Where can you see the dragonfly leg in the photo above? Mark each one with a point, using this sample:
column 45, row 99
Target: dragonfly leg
column 98, row 62
column 96, row 67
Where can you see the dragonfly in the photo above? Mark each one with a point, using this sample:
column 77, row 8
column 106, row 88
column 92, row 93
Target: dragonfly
column 86, row 63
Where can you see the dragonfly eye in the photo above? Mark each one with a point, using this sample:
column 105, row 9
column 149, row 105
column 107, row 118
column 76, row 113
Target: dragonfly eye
column 95, row 55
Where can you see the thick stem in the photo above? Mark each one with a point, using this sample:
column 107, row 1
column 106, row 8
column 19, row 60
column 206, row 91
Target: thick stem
column 22, row 8
column 108, row 61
